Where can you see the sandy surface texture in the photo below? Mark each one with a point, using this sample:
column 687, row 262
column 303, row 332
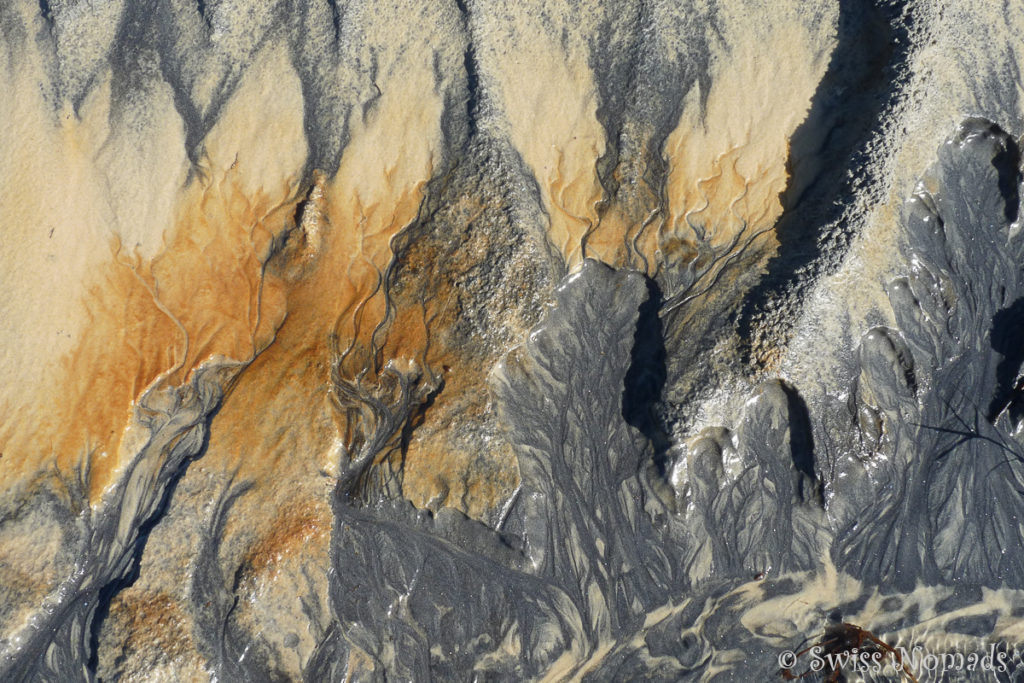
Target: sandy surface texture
column 585, row 340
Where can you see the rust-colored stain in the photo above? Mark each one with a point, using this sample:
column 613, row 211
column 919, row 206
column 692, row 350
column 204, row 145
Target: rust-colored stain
column 157, row 629
column 154, row 320
column 260, row 278
column 342, row 297
column 280, row 275
column 729, row 203
column 300, row 529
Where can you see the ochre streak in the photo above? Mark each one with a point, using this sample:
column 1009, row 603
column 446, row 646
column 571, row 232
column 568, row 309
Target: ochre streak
column 334, row 263
column 182, row 293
